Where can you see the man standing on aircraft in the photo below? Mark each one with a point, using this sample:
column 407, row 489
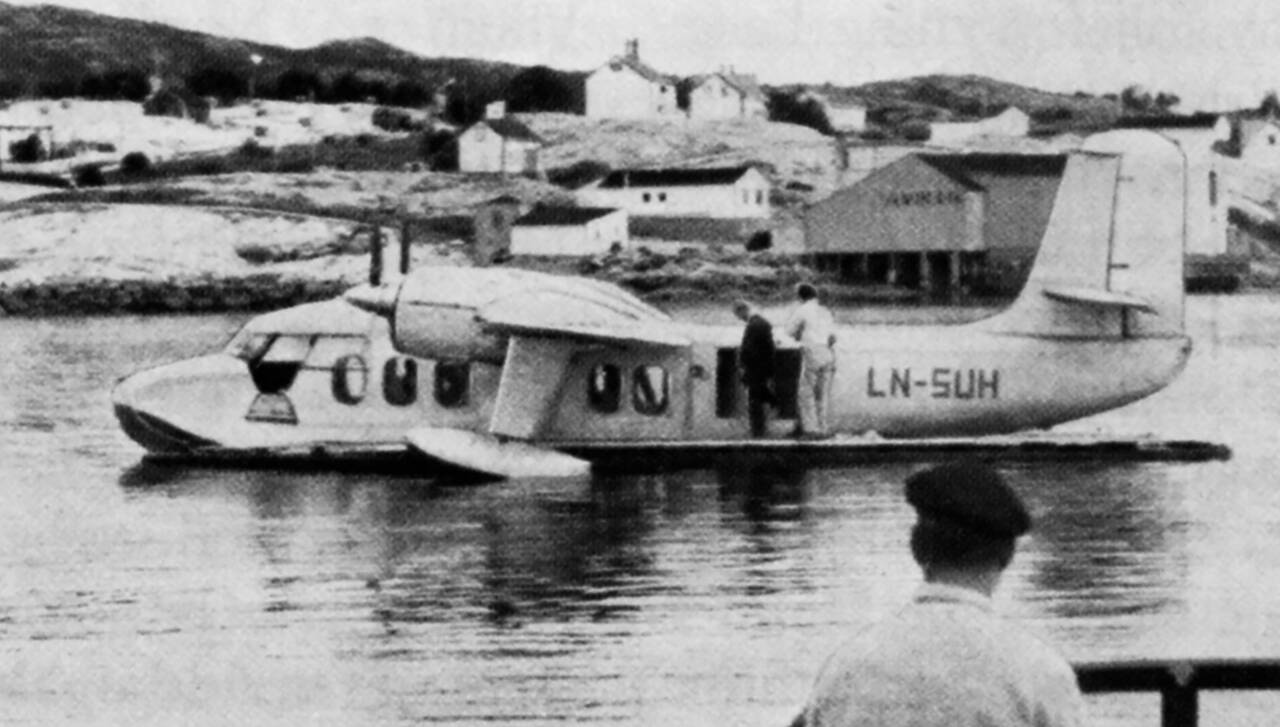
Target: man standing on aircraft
column 812, row 325
column 946, row 658
column 755, row 356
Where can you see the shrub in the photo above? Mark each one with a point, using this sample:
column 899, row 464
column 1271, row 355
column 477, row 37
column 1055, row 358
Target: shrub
column 251, row 149
column 916, row 131
column 134, row 163
column 89, row 175
column 28, row 150
column 578, row 174
column 391, row 119
column 760, row 240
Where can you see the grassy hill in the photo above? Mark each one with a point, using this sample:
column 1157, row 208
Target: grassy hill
column 947, row 98
column 46, row 45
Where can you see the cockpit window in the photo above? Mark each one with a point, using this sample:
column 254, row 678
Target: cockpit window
column 288, row 349
column 328, row 350
column 248, row 345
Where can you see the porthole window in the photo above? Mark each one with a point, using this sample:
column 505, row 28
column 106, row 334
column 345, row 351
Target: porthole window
column 451, row 383
column 400, row 381
column 649, row 387
column 350, row 379
column 604, row 388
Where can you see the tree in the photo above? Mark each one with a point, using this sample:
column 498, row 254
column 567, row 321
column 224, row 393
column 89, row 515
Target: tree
column 1135, row 98
column 540, row 89
column 222, row 83
column 802, row 109
column 1270, row 105
column 299, row 83
column 1165, row 100
column 409, row 93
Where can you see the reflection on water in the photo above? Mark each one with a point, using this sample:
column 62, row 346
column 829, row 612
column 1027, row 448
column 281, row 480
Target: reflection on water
column 143, row 593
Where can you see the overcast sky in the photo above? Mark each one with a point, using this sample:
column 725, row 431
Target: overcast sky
column 1214, row 55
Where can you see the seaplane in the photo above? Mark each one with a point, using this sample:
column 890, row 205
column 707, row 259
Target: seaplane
column 512, row 373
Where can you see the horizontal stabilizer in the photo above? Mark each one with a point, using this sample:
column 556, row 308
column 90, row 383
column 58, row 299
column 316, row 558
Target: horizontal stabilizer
column 486, row 454
column 1102, row 298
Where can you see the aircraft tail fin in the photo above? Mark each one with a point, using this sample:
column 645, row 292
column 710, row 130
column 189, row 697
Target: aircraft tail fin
column 1111, row 262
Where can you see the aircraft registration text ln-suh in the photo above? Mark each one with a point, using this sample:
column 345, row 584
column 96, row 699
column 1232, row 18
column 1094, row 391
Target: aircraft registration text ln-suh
column 509, row 372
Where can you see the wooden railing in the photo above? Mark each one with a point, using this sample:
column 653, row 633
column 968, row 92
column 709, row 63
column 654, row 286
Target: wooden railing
column 1178, row 682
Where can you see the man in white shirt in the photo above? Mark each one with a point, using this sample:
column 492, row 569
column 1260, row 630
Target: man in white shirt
column 946, row 658
column 815, row 329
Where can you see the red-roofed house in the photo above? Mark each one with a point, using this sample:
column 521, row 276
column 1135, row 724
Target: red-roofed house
column 569, row 231
column 628, row 88
column 498, row 143
column 726, row 95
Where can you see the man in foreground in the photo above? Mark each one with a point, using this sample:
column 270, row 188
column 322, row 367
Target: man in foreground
column 755, row 356
column 946, row 658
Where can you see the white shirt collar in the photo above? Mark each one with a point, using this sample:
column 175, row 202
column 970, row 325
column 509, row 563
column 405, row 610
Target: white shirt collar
column 943, row 593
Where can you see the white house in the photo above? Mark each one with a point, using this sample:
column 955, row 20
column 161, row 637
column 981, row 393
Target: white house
column 498, row 143
column 1010, row 122
column 1259, row 143
column 721, row 193
column 845, row 115
column 726, row 95
column 1198, row 136
column 569, row 231
column 628, row 88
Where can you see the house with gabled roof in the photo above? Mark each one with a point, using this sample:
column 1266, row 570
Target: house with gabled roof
column 720, row 192
column 569, row 231
column 628, row 88
column 499, row 143
column 726, row 95
column 937, row 220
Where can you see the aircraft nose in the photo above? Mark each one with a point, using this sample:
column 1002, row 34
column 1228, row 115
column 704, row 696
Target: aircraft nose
column 139, row 402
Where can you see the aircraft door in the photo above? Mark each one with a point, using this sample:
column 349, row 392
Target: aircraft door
column 731, row 395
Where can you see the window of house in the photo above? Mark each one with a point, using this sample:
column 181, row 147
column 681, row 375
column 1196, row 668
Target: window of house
column 350, row 379
column 746, row 197
column 604, row 388
column 649, row 390
column 646, row 197
column 452, row 381
column 1213, row 189
column 400, row 381
column 759, row 196
column 662, row 196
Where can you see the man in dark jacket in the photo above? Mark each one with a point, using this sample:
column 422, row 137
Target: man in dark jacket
column 755, row 357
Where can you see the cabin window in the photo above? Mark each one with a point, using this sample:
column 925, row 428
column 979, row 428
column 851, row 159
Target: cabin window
column 350, row 379
column 400, row 381
column 646, row 197
column 276, row 368
column 1213, row 189
column 649, row 390
column 452, row 379
column 604, row 388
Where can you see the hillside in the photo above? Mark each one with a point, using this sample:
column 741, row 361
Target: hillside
column 941, row 97
column 47, row 45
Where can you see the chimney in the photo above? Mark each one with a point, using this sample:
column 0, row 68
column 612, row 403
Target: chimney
column 633, row 49
column 495, row 110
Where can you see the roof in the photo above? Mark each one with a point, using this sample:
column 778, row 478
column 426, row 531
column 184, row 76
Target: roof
column 744, row 83
column 644, row 69
column 1168, row 121
column 960, row 167
column 672, row 177
column 509, row 128
column 562, row 216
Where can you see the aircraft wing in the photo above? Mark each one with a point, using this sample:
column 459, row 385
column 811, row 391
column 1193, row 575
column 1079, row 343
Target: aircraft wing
column 554, row 314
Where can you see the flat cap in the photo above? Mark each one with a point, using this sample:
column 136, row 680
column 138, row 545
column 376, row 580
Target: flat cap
column 970, row 494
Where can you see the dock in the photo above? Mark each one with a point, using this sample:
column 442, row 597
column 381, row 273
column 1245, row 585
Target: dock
column 664, row 456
